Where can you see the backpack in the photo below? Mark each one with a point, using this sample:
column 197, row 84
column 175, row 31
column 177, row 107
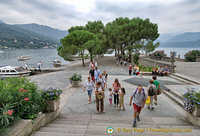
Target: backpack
column 151, row 91
column 136, row 92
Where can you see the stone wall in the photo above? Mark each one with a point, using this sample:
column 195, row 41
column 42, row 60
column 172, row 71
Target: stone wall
column 156, row 63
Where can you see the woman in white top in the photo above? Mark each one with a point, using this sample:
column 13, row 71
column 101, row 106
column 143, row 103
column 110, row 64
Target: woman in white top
column 89, row 85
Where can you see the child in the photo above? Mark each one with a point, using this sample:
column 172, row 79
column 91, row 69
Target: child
column 110, row 93
column 138, row 102
column 151, row 91
column 121, row 99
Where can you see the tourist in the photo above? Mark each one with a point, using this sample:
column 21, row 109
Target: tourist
column 99, row 93
column 91, row 73
column 158, row 92
column 116, row 87
column 96, row 74
column 134, row 70
column 151, row 91
column 121, row 99
column 166, row 71
column 155, row 71
column 110, row 93
column 26, row 66
column 105, row 77
column 160, row 71
column 125, row 63
column 101, row 79
column 39, row 66
column 130, row 69
column 121, row 62
column 95, row 63
column 91, row 65
column 139, row 99
column 89, row 85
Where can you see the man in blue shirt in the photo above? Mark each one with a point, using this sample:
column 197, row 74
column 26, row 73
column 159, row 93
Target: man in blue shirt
column 96, row 74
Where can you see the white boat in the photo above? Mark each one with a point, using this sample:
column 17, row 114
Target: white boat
column 9, row 71
column 1, row 51
column 57, row 63
column 21, row 58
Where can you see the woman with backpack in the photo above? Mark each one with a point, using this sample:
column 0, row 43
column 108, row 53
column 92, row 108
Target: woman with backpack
column 116, row 87
column 151, row 91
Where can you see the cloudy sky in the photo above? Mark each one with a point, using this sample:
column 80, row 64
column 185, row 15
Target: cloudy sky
column 172, row 16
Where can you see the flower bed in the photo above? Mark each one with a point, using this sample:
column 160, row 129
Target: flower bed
column 75, row 80
column 19, row 99
column 191, row 100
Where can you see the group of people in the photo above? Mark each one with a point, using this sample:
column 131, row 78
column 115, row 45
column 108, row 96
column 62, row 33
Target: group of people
column 39, row 65
column 161, row 71
column 135, row 70
column 98, row 81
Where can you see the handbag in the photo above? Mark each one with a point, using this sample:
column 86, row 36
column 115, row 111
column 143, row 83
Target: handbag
column 158, row 91
column 100, row 96
column 148, row 101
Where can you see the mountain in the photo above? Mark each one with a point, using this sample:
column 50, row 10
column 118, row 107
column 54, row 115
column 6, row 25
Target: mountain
column 12, row 36
column 44, row 30
column 183, row 40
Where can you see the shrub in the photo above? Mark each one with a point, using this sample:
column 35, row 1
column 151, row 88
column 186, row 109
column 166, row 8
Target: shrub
column 145, row 69
column 76, row 77
column 191, row 99
column 51, row 94
column 159, row 53
column 24, row 95
column 192, row 55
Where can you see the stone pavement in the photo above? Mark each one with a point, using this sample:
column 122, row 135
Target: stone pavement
column 78, row 118
column 78, row 104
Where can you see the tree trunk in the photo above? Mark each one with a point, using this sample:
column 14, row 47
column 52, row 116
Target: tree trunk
column 115, row 52
column 83, row 59
column 91, row 57
column 130, row 57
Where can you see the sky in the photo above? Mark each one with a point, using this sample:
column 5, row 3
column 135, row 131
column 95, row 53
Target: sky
column 172, row 16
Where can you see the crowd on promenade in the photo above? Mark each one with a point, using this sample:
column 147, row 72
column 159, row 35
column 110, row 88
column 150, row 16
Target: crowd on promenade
column 97, row 81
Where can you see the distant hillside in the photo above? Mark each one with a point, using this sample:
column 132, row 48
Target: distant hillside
column 44, row 30
column 15, row 37
column 184, row 40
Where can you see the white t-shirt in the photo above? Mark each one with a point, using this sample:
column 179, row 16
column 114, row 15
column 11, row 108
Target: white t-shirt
column 89, row 85
column 109, row 95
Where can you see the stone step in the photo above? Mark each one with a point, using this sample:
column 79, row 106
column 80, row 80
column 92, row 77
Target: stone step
column 174, row 97
column 181, row 79
column 187, row 78
column 117, row 131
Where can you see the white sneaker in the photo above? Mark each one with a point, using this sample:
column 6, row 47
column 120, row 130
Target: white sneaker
column 114, row 105
column 98, row 112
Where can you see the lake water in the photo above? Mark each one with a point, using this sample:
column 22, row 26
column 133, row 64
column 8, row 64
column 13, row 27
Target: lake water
column 181, row 51
column 47, row 56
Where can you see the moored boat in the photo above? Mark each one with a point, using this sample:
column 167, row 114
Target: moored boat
column 57, row 63
column 21, row 58
column 9, row 71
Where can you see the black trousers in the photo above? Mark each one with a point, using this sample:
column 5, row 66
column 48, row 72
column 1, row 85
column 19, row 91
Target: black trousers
column 130, row 72
column 116, row 99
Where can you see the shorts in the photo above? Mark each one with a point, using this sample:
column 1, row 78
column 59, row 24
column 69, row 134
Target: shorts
column 89, row 92
column 136, row 108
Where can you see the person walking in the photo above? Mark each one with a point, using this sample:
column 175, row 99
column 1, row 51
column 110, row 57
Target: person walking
column 139, row 99
column 99, row 93
column 121, row 99
column 26, row 66
column 101, row 79
column 116, row 87
column 130, row 70
column 89, row 85
column 39, row 66
column 110, row 93
column 91, row 73
column 151, row 91
column 105, row 77
column 96, row 73
column 158, row 90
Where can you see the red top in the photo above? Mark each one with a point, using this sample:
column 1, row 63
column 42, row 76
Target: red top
column 130, row 67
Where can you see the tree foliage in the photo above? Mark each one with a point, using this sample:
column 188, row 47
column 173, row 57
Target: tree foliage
column 123, row 35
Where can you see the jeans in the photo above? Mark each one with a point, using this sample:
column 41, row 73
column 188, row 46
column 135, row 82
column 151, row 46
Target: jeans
column 116, row 98
column 89, row 92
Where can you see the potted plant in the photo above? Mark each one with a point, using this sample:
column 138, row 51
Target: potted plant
column 192, row 102
column 75, row 80
column 52, row 97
